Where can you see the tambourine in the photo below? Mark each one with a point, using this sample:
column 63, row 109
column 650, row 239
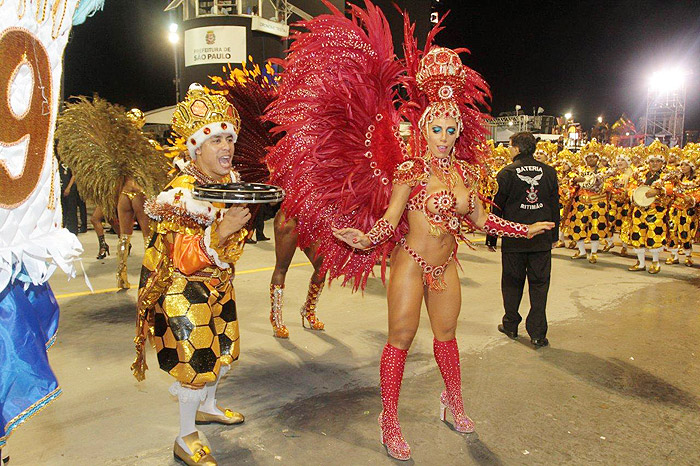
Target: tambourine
column 239, row 193
column 639, row 196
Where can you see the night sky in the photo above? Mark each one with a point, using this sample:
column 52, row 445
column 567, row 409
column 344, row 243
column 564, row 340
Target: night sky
column 591, row 58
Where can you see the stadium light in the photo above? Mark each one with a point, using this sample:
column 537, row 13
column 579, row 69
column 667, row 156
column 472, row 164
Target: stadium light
column 173, row 27
column 667, row 80
column 600, row 119
column 568, row 115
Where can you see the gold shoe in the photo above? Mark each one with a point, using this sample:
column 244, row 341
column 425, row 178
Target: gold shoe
column 229, row 417
column 636, row 268
column 560, row 244
column 278, row 327
column 608, row 247
column 688, row 262
column 623, row 251
column 654, row 268
column 672, row 260
column 578, row 255
column 593, row 258
column 201, row 454
column 572, row 245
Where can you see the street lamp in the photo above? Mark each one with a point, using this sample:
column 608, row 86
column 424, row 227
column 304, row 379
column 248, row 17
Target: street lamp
column 600, row 119
column 174, row 39
column 568, row 115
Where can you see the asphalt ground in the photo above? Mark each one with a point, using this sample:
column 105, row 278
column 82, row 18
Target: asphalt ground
column 618, row 385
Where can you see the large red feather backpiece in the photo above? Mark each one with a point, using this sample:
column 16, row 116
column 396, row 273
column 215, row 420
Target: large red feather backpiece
column 336, row 107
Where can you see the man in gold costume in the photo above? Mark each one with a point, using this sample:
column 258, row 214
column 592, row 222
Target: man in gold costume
column 648, row 228
column 186, row 301
column 619, row 206
column 588, row 218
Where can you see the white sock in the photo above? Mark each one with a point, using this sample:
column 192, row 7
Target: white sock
column 581, row 247
column 209, row 404
column 674, row 253
column 189, row 400
column 655, row 254
column 640, row 256
column 594, row 246
column 688, row 253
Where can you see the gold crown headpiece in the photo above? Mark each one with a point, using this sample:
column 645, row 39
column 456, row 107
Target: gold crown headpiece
column 657, row 150
column 202, row 115
column 442, row 76
column 593, row 147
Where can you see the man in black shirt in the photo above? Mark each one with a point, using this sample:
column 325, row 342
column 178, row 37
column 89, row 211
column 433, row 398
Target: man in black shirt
column 528, row 192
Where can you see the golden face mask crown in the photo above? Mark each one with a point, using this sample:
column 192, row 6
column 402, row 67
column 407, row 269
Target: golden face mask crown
column 137, row 117
column 202, row 115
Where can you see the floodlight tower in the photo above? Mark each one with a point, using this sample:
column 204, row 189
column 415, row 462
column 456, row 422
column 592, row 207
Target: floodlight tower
column 665, row 116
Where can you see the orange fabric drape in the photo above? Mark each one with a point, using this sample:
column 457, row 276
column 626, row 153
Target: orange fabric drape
column 188, row 256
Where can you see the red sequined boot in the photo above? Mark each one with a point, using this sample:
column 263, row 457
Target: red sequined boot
column 390, row 376
column 447, row 357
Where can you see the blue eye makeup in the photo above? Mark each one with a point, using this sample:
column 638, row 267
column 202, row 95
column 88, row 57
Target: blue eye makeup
column 451, row 131
column 437, row 129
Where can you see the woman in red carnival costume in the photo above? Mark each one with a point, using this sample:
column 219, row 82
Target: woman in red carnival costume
column 339, row 107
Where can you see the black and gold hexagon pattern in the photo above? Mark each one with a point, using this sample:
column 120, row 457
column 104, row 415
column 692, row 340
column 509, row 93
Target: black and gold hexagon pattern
column 196, row 329
column 648, row 229
column 588, row 221
column 682, row 228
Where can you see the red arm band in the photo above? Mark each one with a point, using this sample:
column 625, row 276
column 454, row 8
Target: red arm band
column 497, row 226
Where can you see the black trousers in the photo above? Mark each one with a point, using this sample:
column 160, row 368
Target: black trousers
column 69, row 205
column 537, row 268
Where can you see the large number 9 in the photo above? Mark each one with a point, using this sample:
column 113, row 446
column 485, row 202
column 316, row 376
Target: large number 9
column 18, row 47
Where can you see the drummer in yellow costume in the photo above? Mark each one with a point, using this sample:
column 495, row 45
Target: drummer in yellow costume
column 588, row 219
column 683, row 222
column 619, row 205
column 648, row 227
column 564, row 166
column 186, row 301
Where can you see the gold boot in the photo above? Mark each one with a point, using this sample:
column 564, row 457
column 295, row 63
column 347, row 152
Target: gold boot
column 654, row 268
column 578, row 255
column 672, row 260
column 608, row 246
column 572, row 245
column 122, row 253
column 636, row 267
column 308, row 312
column 688, row 261
column 278, row 327
column 560, row 244
column 201, row 455
column 593, row 258
column 623, row 251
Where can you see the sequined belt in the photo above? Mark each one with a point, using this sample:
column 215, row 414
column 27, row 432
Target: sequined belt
column 433, row 275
